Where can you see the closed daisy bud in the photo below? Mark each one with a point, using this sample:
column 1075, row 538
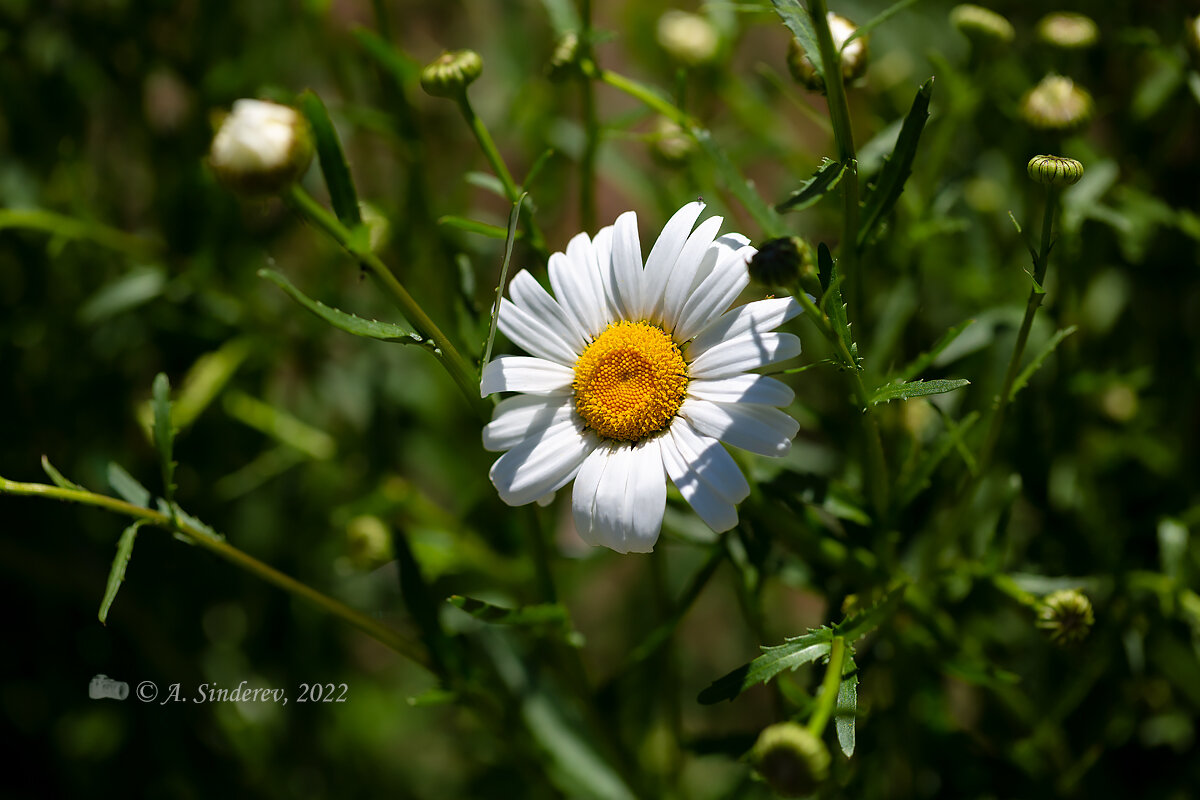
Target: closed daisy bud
column 1056, row 104
column 854, row 55
column 1055, row 170
column 1192, row 40
column 1067, row 30
column 565, row 60
column 261, row 148
column 1066, row 616
column 688, row 38
column 984, row 27
column 450, row 73
column 782, row 262
column 792, row 761
column 369, row 542
column 670, row 144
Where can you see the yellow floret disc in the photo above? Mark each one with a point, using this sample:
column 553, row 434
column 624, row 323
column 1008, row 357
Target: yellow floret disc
column 630, row 381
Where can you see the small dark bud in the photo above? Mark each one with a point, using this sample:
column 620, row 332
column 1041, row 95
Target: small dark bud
column 1066, row 616
column 792, row 761
column 782, row 262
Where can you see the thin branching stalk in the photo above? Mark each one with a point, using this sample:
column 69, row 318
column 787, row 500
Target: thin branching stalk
column 221, row 548
column 591, row 126
column 827, row 700
column 462, row 373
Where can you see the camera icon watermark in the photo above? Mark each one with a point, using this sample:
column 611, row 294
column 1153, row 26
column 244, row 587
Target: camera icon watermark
column 102, row 686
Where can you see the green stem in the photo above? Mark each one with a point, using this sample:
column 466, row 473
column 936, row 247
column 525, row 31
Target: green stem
column 462, row 373
column 511, row 189
column 591, row 127
column 1036, row 295
column 219, row 547
column 830, row 684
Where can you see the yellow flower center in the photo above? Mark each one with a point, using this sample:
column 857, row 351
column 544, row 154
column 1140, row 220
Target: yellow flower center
column 630, row 381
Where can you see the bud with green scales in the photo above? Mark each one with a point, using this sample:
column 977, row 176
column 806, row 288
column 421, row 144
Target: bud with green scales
column 1055, row 170
column 1066, row 616
column 1057, row 103
column 451, row 73
column 984, row 27
column 1068, row 31
column 854, row 55
column 782, row 262
column 792, row 760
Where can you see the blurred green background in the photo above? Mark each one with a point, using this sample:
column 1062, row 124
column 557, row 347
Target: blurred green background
column 105, row 118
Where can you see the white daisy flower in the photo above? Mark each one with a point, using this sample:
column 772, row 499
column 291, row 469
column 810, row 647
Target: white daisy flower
column 636, row 375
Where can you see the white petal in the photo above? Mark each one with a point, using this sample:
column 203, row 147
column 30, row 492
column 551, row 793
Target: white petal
column 706, row 457
column 744, row 353
column 717, row 293
column 627, row 266
column 576, row 282
column 542, row 464
column 759, row 429
column 602, row 247
column 620, row 496
column 522, row 416
column 717, row 512
column 685, row 276
column 531, row 296
column 533, row 335
column 663, row 256
column 546, row 500
column 525, row 374
column 761, row 315
column 758, row 389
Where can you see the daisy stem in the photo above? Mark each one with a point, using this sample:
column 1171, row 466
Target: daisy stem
column 221, row 548
column 830, row 684
column 1036, row 295
column 511, row 189
column 591, row 127
column 448, row 355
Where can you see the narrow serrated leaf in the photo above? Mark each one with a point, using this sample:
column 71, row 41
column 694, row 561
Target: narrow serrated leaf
column 833, row 303
column 536, row 169
column 878, row 19
column 796, row 17
column 907, row 391
column 794, row 653
column 280, row 425
column 922, row 362
column 510, row 238
column 127, row 486
column 825, row 179
column 333, row 160
column 859, row 625
column 845, row 715
column 367, row 328
column 164, row 433
column 551, row 616
column 57, row 477
column 473, row 226
column 1042, row 355
column 911, row 485
column 895, row 172
column 116, row 575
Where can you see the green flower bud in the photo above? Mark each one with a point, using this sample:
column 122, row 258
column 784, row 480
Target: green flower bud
column 368, row 542
column 791, row 760
column 1066, row 616
column 564, row 62
column 688, row 38
column 1191, row 39
column 1067, row 30
column 1056, row 104
column 782, row 262
column 1055, row 170
column 261, row 148
column 450, row 73
column 670, row 144
column 854, row 56
column 984, row 27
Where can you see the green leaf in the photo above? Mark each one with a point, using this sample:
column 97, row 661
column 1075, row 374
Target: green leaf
column 876, row 21
column 794, row 653
column 422, row 607
column 833, row 303
column 333, row 160
column 138, row 286
column 474, row 226
column 402, row 67
column 907, row 391
column 859, row 625
column 488, row 182
column 739, row 186
column 63, row 227
column 549, row 616
column 919, row 477
column 164, row 434
column 923, row 361
column 895, row 172
column 797, row 18
column 1042, row 355
column 433, row 696
column 57, row 477
column 510, row 237
column 827, row 176
column 127, row 486
column 538, row 164
column 280, row 425
column 367, row 328
column 845, row 714
column 563, row 16
column 116, row 575
column 1172, row 547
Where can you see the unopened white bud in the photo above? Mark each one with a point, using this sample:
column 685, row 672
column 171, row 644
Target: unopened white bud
column 688, row 38
column 261, row 147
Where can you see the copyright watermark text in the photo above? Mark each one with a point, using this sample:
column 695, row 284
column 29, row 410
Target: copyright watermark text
column 101, row 687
